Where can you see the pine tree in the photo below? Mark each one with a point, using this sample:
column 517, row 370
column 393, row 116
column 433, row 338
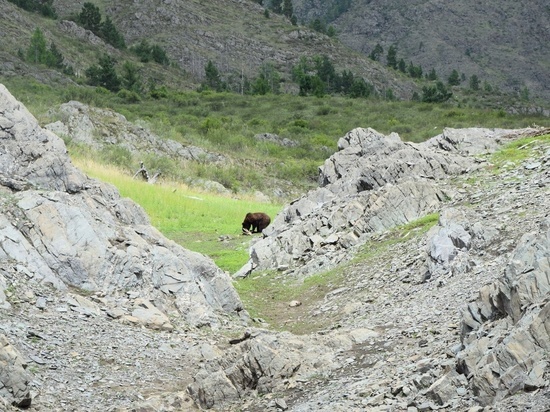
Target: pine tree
column 376, row 52
column 54, row 58
column 143, row 51
column 159, row 55
column 402, row 66
column 432, row 75
column 104, row 74
column 436, row 94
column 277, row 6
column 111, row 35
column 212, row 78
column 37, row 53
column 131, row 78
column 474, row 82
column 287, row 8
column 414, row 71
column 454, row 78
column 391, row 58
column 90, row 18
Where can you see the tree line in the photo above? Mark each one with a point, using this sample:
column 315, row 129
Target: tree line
column 437, row 92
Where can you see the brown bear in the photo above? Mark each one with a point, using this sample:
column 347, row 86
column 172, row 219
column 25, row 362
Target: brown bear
column 257, row 221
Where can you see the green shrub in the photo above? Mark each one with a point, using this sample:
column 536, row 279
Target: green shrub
column 116, row 155
column 130, row 97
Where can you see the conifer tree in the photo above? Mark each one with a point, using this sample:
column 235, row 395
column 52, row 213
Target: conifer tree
column 104, row 74
column 432, row 75
column 277, row 6
column 159, row 55
column 90, row 18
column 454, row 78
column 391, row 58
column 376, row 52
column 111, row 35
column 131, row 78
column 37, row 53
column 402, row 66
column 212, row 78
column 54, row 58
column 474, row 82
column 287, row 8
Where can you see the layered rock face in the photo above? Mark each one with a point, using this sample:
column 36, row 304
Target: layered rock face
column 98, row 128
column 506, row 331
column 59, row 228
column 373, row 183
column 69, row 230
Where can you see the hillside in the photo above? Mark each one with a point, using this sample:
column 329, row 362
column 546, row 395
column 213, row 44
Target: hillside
column 99, row 311
column 504, row 42
column 234, row 35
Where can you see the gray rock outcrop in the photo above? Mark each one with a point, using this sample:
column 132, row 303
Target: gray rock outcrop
column 506, row 331
column 262, row 364
column 64, row 229
column 373, row 183
column 99, row 128
column 14, row 379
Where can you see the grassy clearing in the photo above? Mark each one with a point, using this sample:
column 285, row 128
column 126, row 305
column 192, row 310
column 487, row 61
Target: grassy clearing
column 267, row 295
column 199, row 221
column 516, row 152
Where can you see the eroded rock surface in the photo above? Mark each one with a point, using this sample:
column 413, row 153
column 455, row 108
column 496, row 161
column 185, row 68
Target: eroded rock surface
column 61, row 230
column 373, row 183
column 99, row 128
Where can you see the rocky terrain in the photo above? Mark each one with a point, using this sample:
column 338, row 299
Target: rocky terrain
column 100, row 312
column 467, row 36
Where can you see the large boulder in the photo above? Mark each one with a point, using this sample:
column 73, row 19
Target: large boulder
column 67, row 230
column 263, row 363
column 14, row 379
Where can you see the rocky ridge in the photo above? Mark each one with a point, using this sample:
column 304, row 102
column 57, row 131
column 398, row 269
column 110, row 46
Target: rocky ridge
column 452, row 318
column 373, row 183
column 436, row 341
column 99, row 128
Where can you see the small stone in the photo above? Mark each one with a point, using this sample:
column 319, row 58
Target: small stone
column 281, row 404
column 41, row 302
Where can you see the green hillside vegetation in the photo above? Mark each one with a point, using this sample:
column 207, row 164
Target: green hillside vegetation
column 226, row 123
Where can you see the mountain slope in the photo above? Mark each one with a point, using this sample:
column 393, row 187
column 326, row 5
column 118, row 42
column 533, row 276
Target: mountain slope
column 503, row 42
column 235, row 35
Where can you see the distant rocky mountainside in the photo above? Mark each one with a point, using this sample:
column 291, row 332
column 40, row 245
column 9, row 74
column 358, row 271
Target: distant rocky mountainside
column 503, row 42
column 100, row 312
column 233, row 34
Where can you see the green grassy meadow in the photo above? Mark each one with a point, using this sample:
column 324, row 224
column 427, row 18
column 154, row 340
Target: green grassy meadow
column 199, row 221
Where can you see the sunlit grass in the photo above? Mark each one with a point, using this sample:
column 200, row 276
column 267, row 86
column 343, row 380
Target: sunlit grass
column 517, row 151
column 199, row 221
